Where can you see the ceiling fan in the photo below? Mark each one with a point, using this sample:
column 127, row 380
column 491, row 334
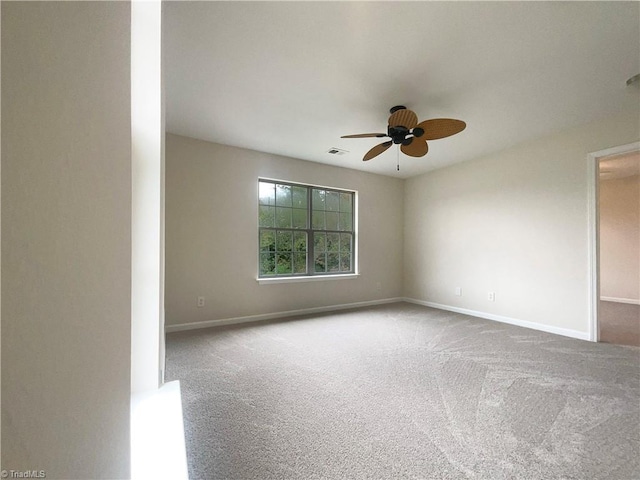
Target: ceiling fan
column 404, row 130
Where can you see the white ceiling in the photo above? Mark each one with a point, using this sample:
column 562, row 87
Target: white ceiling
column 291, row 77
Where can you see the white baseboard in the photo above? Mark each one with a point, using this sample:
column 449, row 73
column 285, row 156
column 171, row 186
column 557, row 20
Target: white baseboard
column 331, row 308
column 498, row 318
column 630, row 301
column 269, row 316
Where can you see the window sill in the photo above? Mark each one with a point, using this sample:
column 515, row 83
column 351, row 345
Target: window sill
column 315, row 278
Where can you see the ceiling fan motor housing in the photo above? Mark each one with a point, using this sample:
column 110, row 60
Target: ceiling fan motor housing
column 399, row 134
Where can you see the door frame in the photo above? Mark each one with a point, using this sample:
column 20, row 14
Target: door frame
column 594, row 229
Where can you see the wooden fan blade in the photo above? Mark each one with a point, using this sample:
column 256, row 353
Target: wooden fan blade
column 417, row 148
column 440, row 128
column 403, row 118
column 365, row 135
column 377, row 150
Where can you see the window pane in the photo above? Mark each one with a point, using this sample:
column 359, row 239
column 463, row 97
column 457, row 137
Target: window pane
column 332, row 220
column 345, row 242
column 266, row 216
column 319, row 242
column 303, row 227
column 267, row 264
column 318, row 197
column 299, row 218
column 333, row 262
column 345, row 262
column 320, row 262
column 267, row 193
column 317, row 220
column 333, row 242
column 345, row 202
column 283, row 241
column 299, row 263
column 332, row 201
column 283, row 263
column 300, row 241
column 267, row 241
column 283, row 195
column 283, row 217
column 299, row 197
column 346, row 222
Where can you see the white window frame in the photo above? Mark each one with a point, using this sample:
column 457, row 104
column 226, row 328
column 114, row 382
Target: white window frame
column 310, row 274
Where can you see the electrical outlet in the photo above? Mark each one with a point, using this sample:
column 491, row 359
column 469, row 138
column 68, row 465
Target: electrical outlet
column 492, row 296
column 200, row 302
column 458, row 291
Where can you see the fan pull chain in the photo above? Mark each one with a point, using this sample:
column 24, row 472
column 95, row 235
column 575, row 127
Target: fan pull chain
column 398, row 159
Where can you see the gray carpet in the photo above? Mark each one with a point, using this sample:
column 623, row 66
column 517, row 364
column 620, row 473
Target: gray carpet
column 404, row 391
column 619, row 323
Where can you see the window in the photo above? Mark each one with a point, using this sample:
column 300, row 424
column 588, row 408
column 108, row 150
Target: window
column 304, row 230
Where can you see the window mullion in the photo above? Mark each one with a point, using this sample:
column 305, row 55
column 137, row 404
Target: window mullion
column 310, row 239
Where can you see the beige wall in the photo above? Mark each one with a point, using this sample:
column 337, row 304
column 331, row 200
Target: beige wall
column 211, row 233
column 66, row 245
column 620, row 238
column 513, row 223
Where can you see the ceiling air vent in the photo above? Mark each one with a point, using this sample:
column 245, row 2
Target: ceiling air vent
column 336, row 151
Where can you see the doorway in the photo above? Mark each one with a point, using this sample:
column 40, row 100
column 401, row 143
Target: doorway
column 616, row 245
